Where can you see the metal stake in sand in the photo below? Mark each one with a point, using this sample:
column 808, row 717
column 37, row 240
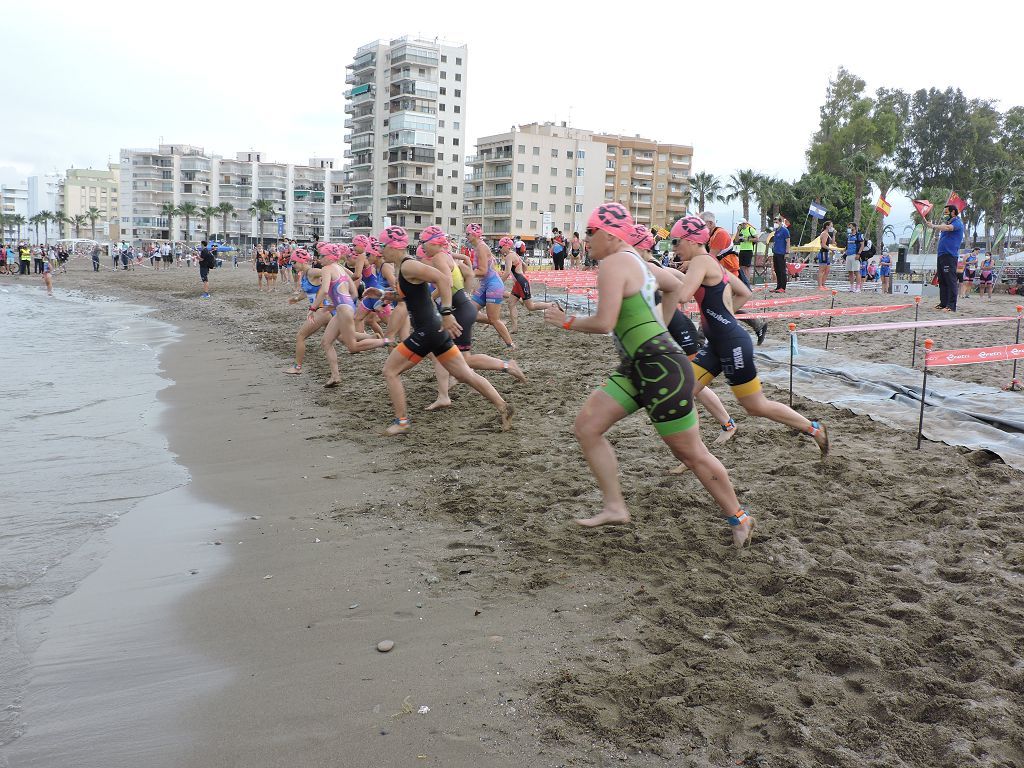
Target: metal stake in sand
column 913, row 348
column 792, row 347
column 833, row 306
column 1015, row 385
column 928, row 344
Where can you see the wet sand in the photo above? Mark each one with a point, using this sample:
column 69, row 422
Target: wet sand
column 876, row 620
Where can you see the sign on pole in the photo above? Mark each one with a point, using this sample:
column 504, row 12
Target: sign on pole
column 547, row 224
column 280, row 225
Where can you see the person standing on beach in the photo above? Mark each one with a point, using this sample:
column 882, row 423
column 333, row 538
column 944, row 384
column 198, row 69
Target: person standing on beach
column 25, row 254
column 950, row 240
column 854, row 246
column 432, row 331
column 745, row 240
column 654, row 374
column 207, row 261
column 96, row 258
column 780, row 249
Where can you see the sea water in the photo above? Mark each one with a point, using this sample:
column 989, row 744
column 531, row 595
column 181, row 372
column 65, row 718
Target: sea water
column 79, row 447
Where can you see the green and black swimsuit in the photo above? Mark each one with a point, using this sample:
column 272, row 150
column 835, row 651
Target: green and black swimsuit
column 655, row 373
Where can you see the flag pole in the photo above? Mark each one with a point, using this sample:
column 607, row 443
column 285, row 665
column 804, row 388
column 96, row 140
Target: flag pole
column 928, row 344
column 917, row 311
column 1015, row 385
column 792, row 343
column 803, row 229
column 834, row 292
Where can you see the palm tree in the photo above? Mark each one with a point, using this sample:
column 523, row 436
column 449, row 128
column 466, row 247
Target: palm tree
column 257, row 211
column 78, row 221
column 169, row 211
column 225, row 210
column 60, row 219
column 742, row 185
column 707, row 188
column 188, row 210
column 94, row 214
column 996, row 183
column 886, row 179
column 45, row 217
column 861, row 166
column 208, row 212
column 35, row 221
column 18, row 221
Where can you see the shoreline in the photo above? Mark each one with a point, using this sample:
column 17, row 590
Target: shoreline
column 843, row 635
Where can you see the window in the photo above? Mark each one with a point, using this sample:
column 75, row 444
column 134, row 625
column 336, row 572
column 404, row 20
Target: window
column 457, row 125
column 440, row 123
column 623, row 182
column 455, row 174
column 579, row 172
column 521, row 168
column 440, row 155
column 443, row 91
column 455, row 158
column 519, row 223
column 522, row 149
column 458, row 92
column 458, row 77
column 455, row 190
column 609, row 195
column 568, row 209
column 419, row 170
column 533, row 206
column 440, row 172
column 535, row 170
column 536, row 151
column 437, row 205
column 444, row 60
column 579, row 190
column 661, row 171
column 444, row 75
column 610, row 165
column 581, row 154
column 551, row 207
column 520, row 186
column 662, row 158
column 554, row 171
column 458, row 109
column 454, row 205
column 568, row 173
column 554, row 153
column 625, row 152
column 533, row 223
column 568, row 154
column 437, row 219
column 455, row 141
column 451, row 221
column 440, row 139
column 458, row 61
column 519, row 205
column 552, row 189
column 417, row 219
column 579, row 207
column 661, row 185
column 534, row 188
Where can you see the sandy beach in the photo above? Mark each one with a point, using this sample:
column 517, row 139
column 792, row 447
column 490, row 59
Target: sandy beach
column 877, row 620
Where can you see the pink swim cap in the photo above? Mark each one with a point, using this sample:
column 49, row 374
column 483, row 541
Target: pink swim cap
column 396, row 237
column 420, row 253
column 691, row 228
column 361, row 240
column 374, row 246
column 433, row 234
column 644, row 240
column 323, row 247
column 301, row 254
column 343, row 250
column 475, row 230
column 505, row 242
column 328, row 252
column 614, row 219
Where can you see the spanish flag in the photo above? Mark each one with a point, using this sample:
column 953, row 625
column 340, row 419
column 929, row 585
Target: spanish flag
column 882, row 206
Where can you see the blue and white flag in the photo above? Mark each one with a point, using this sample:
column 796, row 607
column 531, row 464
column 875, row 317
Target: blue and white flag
column 817, row 211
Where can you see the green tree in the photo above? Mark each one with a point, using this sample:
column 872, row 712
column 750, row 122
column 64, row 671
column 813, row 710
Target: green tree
column 61, row 220
column 35, row 221
column 17, row 221
column 188, row 210
column 260, row 209
column 707, row 188
column 887, row 180
column 93, row 215
column 208, row 212
column 46, row 218
column 831, row 192
column 995, row 186
column 742, row 186
column 169, row 211
column 78, row 221
column 225, row 210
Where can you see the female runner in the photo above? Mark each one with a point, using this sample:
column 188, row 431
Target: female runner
column 729, row 349
column 490, row 290
column 515, row 268
column 309, row 283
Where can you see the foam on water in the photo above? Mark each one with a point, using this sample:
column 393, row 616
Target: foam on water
column 79, row 447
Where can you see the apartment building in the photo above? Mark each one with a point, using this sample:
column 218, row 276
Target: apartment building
column 180, row 173
column 533, row 178
column 86, row 188
column 406, row 138
column 650, row 178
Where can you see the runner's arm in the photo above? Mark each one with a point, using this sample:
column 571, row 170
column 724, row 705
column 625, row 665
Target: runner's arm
column 740, row 293
column 611, row 280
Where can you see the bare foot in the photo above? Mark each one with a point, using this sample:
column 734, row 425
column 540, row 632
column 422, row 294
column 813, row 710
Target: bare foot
column 682, row 469
column 515, row 371
column 606, row 517
column 293, row 371
column 332, row 383
column 439, row 404
column 397, row 428
column 506, row 417
column 726, row 436
column 822, row 440
column 743, row 533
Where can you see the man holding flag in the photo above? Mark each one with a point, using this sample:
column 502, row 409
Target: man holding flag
column 951, row 237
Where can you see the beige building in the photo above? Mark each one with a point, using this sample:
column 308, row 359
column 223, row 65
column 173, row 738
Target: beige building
column 651, row 179
column 86, row 188
column 533, row 178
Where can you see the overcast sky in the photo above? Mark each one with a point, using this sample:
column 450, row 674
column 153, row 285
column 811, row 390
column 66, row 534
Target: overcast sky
column 741, row 82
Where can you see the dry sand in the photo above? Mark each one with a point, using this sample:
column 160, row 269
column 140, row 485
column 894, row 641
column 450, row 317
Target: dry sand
column 877, row 620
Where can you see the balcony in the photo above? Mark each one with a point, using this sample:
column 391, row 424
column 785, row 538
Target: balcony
column 411, row 155
column 472, row 193
column 409, row 172
column 498, row 210
column 419, row 89
column 408, row 203
column 494, row 157
column 642, row 160
column 403, row 56
column 365, row 61
column 500, row 173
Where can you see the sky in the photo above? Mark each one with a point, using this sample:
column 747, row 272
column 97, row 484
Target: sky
column 740, row 81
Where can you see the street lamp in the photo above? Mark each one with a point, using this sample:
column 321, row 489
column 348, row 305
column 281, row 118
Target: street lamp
column 636, row 199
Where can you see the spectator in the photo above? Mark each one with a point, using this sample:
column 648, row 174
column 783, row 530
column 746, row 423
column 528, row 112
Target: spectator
column 950, row 240
column 207, row 261
column 745, row 240
column 854, row 246
column 96, row 258
column 25, row 255
column 558, row 249
column 780, row 249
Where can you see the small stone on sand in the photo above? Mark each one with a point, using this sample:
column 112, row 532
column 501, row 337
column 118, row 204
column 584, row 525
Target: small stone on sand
column 385, row 645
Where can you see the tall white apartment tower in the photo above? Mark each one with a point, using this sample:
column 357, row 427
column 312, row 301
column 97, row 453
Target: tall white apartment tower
column 406, row 137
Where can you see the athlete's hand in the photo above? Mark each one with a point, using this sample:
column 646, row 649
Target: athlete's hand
column 450, row 324
column 554, row 315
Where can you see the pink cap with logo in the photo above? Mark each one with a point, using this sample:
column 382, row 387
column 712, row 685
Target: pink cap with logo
column 396, row 237
column 614, row 219
column 644, row 240
column 691, row 228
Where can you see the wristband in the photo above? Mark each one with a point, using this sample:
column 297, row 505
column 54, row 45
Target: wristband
column 568, row 322
column 447, row 311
